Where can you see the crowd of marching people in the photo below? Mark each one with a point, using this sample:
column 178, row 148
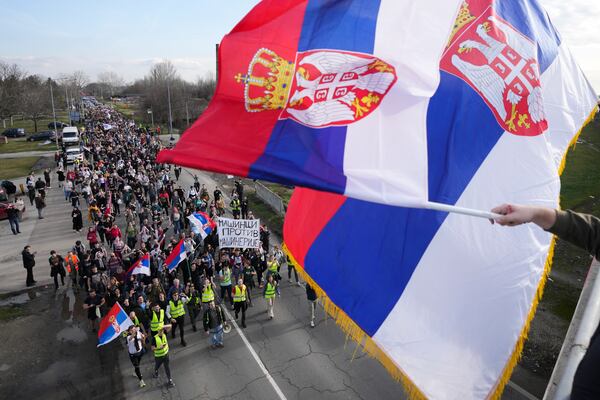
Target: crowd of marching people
column 131, row 208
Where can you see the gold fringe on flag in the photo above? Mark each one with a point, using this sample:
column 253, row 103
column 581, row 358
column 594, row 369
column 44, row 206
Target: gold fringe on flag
column 369, row 346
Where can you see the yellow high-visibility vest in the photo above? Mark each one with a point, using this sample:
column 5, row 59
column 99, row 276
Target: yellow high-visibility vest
column 176, row 310
column 157, row 322
column 269, row 291
column 160, row 339
column 239, row 294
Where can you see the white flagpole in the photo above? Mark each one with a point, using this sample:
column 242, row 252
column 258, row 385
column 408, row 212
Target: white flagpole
column 459, row 210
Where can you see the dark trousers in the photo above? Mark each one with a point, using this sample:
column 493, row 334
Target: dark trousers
column 194, row 312
column 135, row 360
column 226, row 290
column 14, row 225
column 178, row 324
column 585, row 383
column 240, row 306
column 290, row 269
column 62, row 279
column 29, row 279
column 158, row 361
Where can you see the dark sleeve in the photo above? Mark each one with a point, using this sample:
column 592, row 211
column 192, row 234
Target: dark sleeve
column 153, row 341
column 582, row 230
column 205, row 320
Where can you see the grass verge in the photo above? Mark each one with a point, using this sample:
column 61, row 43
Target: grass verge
column 19, row 145
column 267, row 216
column 10, row 312
column 16, row 167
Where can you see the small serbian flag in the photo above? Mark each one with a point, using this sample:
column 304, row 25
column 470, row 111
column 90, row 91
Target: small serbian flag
column 202, row 224
column 177, row 255
column 113, row 324
column 141, row 266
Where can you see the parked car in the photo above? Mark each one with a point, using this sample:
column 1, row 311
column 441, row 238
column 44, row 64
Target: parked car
column 45, row 135
column 59, row 125
column 14, row 132
column 74, row 154
column 5, row 202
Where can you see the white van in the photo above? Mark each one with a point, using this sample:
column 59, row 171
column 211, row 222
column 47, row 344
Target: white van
column 70, row 136
column 74, row 155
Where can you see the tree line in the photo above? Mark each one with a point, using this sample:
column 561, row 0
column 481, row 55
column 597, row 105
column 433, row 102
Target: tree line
column 28, row 95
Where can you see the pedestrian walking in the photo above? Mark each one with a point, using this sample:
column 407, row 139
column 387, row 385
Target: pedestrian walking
column 269, row 293
column 225, row 283
column 213, row 322
column 311, row 296
column 40, row 204
column 72, row 266
column 135, row 341
column 176, row 313
column 77, row 219
column 157, row 318
column 47, row 177
column 12, row 213
column 239, row 300
column 208, row 294
column 160, row 347
column 28, row 264
column 92, row 304
column 193, row 304
column 57, row 267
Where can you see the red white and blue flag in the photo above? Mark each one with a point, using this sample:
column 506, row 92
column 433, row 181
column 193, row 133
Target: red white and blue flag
column 201, row 224
column 113, row 324
column 470, row 103
column 177, row 255
column 141, row 266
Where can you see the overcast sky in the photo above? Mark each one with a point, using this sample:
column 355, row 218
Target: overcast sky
column 127, row 37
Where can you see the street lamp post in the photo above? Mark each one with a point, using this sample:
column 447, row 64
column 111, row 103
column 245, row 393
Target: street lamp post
column 53, row 113
column 170, row 116
column 151, row 117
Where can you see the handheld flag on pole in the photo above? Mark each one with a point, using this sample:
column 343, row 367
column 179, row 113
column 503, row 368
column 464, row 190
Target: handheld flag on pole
column 177, row 255
column 202, row 224
column 113, row 324
column 141, row 266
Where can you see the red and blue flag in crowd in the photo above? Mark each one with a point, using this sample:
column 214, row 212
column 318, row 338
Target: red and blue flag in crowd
column 113, row 324
column 177, row 255
column 141, row 266
column 201, row 223
column 469, row 103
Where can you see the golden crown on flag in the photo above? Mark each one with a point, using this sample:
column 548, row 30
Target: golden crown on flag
column 271, row 76
column 463, row 18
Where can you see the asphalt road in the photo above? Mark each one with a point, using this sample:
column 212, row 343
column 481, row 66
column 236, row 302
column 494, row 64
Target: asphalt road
column 298, row 362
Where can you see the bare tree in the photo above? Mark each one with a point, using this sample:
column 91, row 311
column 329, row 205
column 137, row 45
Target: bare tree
column 36, row 99
column 110, row 82
column 11, row 92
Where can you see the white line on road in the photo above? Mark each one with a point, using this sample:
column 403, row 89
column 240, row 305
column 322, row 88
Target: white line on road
column 256, row 357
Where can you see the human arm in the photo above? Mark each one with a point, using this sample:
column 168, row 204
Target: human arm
column 515, row 214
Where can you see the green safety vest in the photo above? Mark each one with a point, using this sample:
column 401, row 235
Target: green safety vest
column 176, row 310
column 235, row 205
column 239, row 294
column 157, row 322
column 208, row 295
column 160, row 339
column 269, row 291
column 273, row 265
column 227, row 277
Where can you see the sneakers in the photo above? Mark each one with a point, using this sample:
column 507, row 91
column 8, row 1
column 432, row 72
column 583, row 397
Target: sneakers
column 243, row 325
column 312, row 324
column 299, row 284
column 170, row 383
column 221, row 345
column 142, row 383
column 289, row 280
column 183, row 343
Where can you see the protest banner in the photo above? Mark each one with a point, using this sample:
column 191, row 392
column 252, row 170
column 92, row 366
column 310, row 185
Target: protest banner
column 239, row 233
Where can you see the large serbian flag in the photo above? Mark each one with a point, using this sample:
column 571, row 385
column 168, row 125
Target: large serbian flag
column 330, row 95
column 445, row 301
column 113, row 324
column 177, row 255
column 141, row 266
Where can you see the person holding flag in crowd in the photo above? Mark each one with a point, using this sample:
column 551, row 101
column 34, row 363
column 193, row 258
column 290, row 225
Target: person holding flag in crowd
column 176, row 313
column 201, row 224
column 113, row 324
column 177, row 255
column 135, row 340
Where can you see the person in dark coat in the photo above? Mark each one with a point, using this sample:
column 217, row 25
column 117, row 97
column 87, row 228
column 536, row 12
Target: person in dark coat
column 28, row 264
column 77, row 219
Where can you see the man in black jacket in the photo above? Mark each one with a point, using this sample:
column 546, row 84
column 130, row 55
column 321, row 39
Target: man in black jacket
column 28, row 264
column 213, row 321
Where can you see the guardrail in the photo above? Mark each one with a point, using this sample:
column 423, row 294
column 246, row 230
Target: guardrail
column 269, row 197
column 583, row 325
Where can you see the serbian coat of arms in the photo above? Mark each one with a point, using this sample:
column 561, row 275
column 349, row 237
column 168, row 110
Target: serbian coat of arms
column 500, row 64
column 321, row 88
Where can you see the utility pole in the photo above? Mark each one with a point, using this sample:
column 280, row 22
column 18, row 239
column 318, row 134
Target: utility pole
column 53, row 113
column 187, row 114
column 170, row 116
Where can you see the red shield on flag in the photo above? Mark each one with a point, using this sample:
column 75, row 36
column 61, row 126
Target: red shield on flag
column 500, row 64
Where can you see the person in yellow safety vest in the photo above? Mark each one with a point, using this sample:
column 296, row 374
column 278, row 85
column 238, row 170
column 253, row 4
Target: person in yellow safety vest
column 72, row 264
column 208, row 294
column 176, row 313
column 239, row 300
column 193, row 304
column 269, row 293
column 157, row 318
column 160, row 347
column 235, row 206
column 273, row 269
column 225, row 283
